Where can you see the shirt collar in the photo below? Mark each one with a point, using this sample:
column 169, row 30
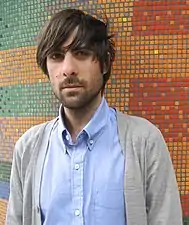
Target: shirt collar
column 63, row 134
column 98, row 121
column 94, row 127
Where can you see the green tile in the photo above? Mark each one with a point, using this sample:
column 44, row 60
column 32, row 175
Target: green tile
column 186, row 221
column 5, row 170
column 27, row 100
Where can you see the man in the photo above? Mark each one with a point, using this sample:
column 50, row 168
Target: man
column 91, row 165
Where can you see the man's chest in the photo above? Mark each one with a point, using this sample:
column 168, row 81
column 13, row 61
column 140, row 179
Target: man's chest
column 84, row 185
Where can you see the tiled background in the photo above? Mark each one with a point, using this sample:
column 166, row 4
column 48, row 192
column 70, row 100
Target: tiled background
column 150, row 76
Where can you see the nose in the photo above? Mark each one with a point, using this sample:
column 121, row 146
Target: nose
column 69, row 66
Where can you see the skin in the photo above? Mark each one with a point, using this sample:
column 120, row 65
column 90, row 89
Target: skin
column 76, row 80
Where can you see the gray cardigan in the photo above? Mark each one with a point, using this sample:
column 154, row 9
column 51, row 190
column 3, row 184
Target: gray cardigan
column 151, row 192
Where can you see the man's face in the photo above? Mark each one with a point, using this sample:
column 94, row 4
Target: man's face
column 75, row 76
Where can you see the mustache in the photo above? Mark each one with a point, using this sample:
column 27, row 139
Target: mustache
column 71, row 81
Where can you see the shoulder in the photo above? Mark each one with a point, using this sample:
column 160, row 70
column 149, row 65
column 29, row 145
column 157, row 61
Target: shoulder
column 31, row 136
column 139, row 132
column 140, row 135
column 136, row 125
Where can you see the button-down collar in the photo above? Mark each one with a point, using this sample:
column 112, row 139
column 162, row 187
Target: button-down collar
column 91, row 131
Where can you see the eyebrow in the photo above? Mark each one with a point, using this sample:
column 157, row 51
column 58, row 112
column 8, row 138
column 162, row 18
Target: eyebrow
column 76, row 48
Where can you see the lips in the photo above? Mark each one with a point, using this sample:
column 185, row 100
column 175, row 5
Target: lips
column 71, row 86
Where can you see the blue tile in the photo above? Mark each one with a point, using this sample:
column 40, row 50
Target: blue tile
column 4, row 190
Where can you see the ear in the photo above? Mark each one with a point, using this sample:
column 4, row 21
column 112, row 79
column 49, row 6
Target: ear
column 107, row 64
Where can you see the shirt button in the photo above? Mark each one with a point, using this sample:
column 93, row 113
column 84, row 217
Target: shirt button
column 67, row 137
column 77, row 212
column 91, row 142
column 77, row 166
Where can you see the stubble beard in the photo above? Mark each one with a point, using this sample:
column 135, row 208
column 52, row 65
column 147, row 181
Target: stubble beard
column 75, row 100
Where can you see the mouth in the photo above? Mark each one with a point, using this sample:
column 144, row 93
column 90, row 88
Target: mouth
column 71, row 86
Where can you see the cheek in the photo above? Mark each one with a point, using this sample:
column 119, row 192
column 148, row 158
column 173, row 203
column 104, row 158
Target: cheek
column 53, row 74
column 53, row 68
column 54, row 84
column 53, row 77
column 96, row 74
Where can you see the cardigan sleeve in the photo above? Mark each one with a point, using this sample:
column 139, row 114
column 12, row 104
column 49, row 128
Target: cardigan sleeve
column 162, row 196
column 14, row 209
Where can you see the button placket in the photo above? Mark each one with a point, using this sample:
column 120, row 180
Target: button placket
column 77, row 166
column 77, row 171
column 77, row 212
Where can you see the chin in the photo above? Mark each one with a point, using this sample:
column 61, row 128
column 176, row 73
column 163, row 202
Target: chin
column 77, row 101
column 74, row 103
column 73, row 106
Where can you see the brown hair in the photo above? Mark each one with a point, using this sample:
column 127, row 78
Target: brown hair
column 92, row 33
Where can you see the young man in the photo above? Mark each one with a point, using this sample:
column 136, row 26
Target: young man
column 91, row 165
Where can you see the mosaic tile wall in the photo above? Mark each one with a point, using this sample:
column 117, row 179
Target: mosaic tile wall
column 150, row 76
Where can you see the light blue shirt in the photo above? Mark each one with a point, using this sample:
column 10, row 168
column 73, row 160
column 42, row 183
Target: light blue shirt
column 83, row 182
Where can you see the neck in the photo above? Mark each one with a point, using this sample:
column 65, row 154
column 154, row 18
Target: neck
column 76, row 119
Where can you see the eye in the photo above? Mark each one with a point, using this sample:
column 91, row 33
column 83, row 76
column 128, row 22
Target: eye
column 83, row 53
column 56, row 56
